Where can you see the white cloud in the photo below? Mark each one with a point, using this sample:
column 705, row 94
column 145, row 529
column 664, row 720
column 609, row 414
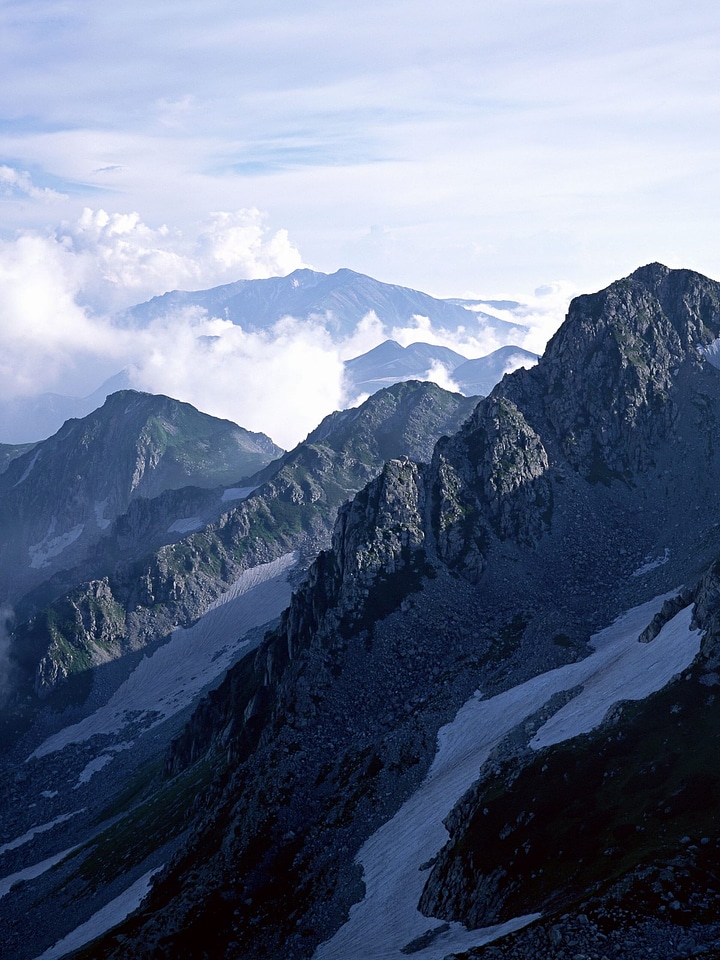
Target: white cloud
column 58, row 331
column 44, row 333
column 126, row 261
column 439, row 374
column 282, row 381
column 14, row 182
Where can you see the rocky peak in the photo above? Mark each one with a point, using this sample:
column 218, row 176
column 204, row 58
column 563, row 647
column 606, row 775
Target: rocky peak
column 605, row 388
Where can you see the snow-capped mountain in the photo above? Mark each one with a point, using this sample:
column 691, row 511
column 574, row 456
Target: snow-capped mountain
column 484, row 723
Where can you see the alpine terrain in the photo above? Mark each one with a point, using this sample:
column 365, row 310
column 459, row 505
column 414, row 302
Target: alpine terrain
column 442, row 682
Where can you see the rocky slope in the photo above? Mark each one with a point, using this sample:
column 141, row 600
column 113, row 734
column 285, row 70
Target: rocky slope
column 58, row 498
column 579, row 488
column 143, row 585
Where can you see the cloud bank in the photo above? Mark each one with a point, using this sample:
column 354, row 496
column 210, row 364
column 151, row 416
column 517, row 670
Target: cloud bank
column 62, row 293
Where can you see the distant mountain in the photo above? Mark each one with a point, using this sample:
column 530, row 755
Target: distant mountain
column 37, row 418
column 478, row 377
column 391, row 363
column 340, row 300
column 58, row 497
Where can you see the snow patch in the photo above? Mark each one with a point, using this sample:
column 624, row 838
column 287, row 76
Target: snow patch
column 652, row 564
column 29, row 467
column 622, row 671
column 110, row 916
column 621, row 668
column 236, row 493
column 92, row 768
column 42, row 828
column 100, row 518
column 186, row 525
column 30, row 873
column 711, row 352
column 43, row 552
column 163, row 684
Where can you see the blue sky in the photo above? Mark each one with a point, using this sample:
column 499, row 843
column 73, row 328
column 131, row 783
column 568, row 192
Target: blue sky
column 457, row 147
column 464, row 148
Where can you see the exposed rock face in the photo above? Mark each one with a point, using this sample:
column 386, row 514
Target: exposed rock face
column 293, row 506
column 488, row 479
column 607, row 379
column 570, row 495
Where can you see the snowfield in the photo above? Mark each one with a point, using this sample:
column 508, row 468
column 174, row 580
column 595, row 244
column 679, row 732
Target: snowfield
column 110, row 916
column 621, row 668
column 236, row 493
column 50, row 547
column 32, row 833
column 30, row 873
column 166, row 682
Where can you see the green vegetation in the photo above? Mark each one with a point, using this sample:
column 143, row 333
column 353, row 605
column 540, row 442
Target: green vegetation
column 141, row 829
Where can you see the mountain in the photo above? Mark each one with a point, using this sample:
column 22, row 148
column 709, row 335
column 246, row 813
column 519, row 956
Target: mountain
column 36, row 418
column 11, row 451
column 389, row 362
column 340, row 300
column 117, row 662
column 166, row 559
column 136, row 445
column 485, row 723
column 478, row 377
column 558, row 554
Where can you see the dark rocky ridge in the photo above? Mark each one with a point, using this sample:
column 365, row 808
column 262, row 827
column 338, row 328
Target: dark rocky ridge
column 494, row 562
column 136, row 596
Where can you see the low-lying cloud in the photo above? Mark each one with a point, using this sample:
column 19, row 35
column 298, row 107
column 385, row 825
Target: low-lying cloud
column 281, row 381
column 62, row 293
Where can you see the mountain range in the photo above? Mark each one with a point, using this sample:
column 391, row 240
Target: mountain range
column 339, row 302
column 342, row 299
column 390, row 362
column 440, row 682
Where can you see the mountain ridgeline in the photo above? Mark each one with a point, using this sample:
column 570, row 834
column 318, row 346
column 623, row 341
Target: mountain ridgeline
column 485, row 725
column 166, row 557
column 578, row 489
column 135, row 446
